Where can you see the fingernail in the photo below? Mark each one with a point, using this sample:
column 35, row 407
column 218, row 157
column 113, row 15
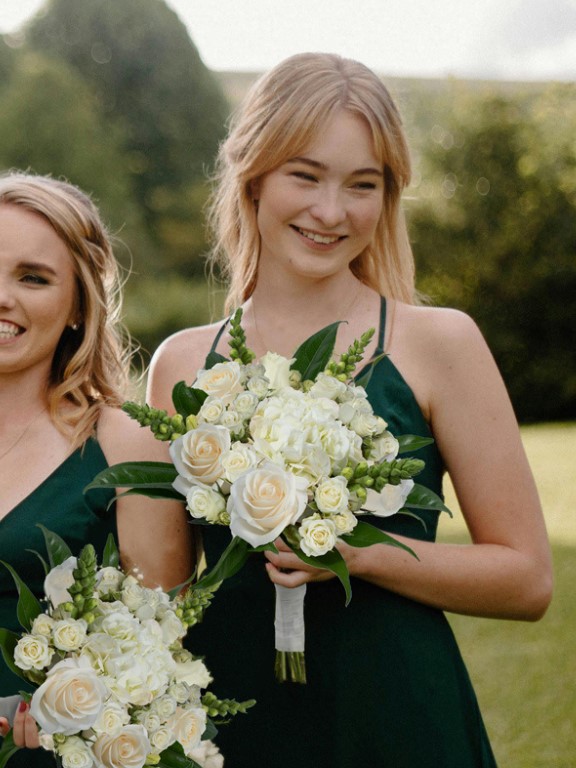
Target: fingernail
column 22, row 707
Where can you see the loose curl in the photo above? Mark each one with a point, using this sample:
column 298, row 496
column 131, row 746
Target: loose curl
column 284, row 111
column 91, row 365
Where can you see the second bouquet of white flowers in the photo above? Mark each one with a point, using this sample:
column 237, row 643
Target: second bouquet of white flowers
column 115, row 686
column 286, row 448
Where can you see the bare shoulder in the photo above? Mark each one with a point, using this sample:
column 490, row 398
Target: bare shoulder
column 123, row 439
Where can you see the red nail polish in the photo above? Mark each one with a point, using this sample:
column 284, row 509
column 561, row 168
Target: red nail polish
column 22, row 707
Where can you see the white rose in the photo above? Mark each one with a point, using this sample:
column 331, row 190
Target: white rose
column 161, row 738
column 211, row 410
column 384, row 448
column 205, row 503
column 332, row 495
column 109, row 580
column 318, row 535
column 33, row 652
column 192, row 672
column 69, row 634
column 42, row 625
column 58, row 580
column 188, row 725
column 263, row 502
column 350, row 408
column 207, row 755
column 239, row 459
column 345, row 522
column 70, row 700
column 112, row 718
column 75, row 753
column 222, row 380
column 327, row 386
column 133, row 595
column 277, row 370
column 197, row 455
column 245, row 404
column 390, row 499
column 165, row 706
column 172, row 628
column 179, row 691
column 259, row 386
column 365, row 424
column 150, row 720
column 233, row 422
column 127, row 749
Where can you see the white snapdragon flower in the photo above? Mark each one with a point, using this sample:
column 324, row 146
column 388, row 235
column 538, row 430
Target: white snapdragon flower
column 332, row 495
column 318, row 535
column 205, row 503
column 59, row 580
column 390, row 500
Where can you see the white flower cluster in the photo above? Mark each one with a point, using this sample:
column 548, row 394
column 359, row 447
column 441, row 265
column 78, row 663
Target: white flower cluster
column 269, row 451
column 121, row 689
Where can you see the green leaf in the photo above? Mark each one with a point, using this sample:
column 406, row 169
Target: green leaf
column 331, row 561
column 421, row 497
column 212, row 358
column 144, row 474
column 111, row 555
column 410, row 443
column 210, row 732
column 314, row 354
column 28, row 605
column 58, row 550
column 7, row 749
column 174, row 757
column 8, row 641
column 364, row 379
column 187, row 400
column 45, row 565
column 230, row 562
column 365, row 534
column 154, row 492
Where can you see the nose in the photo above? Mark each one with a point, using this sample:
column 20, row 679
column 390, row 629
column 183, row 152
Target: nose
column 329, row 208
column 6, row 295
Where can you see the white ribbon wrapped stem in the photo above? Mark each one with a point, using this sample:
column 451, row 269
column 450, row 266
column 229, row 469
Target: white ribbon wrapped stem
column 289, row 622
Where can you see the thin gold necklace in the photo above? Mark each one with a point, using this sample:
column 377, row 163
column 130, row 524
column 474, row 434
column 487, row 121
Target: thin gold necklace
column 22, row 434
column 346, row 312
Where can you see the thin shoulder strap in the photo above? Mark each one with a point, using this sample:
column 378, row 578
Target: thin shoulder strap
column 382, row 329
column 219, row 335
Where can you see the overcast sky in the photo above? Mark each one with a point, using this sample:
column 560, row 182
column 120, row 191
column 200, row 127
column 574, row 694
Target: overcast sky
column 503, row 39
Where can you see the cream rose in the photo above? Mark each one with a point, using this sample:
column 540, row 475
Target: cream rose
column 161, row 738
column 192, row 672
column 327, row 386
column 384, row 448
column 332, row 495
column 69, row 634
column 318, row 535
column 211, row 410
column 263, row 502
column 390, row 500
column 42, row 625
column 277, row 370
column 70, row 700
column 112, row 718
column 207, row 755
column 222, row 380
column 33, row 652
column 258, row 385
column 58, row 581
column 205, row 503
column 239, row 459
column 75, row 753
column 109, row 580
column 345, row 522
column 126, row 749
column 245, row 404
column 188, row 725
column 198, row 454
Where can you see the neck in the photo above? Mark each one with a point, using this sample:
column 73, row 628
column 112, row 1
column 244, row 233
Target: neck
column 19, row 397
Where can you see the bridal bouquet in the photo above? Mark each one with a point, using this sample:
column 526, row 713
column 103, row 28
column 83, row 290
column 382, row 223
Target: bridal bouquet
column 116, row 688
column 285, row 448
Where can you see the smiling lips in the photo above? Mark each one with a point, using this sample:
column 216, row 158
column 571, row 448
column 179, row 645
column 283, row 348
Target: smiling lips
column 316, row 238
column 9, row 330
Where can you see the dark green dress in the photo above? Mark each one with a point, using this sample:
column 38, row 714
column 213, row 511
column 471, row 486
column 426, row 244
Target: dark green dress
column 60, row 505
column 386, row 683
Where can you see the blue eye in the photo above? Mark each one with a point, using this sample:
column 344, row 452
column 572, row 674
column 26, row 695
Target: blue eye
column 34, row 279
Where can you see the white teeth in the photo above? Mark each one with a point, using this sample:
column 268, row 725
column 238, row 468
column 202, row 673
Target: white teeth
column 8, row 331
column 324, row 239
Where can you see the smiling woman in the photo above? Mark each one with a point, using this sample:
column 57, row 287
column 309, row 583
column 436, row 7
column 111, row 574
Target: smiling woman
column 63, row 374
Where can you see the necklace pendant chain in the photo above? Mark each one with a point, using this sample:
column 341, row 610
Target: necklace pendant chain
column 22, row 434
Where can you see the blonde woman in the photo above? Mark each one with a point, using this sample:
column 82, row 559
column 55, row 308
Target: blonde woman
column 309, row 229
column 63, row 376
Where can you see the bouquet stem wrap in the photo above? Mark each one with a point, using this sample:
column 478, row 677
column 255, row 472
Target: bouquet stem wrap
column 289, row 628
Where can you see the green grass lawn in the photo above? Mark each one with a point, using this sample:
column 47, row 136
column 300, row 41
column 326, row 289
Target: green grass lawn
column 525, row 674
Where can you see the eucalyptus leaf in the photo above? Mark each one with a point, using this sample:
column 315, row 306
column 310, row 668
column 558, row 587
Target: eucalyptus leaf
column 28, row 605
column 129, row 474
column 421, row 497
column 187, row 400
column 409, row 443
column 314, row 354
column 8, row 642
column 230, row 562
column 331, row 561
column 365, row 534
column 58, row 550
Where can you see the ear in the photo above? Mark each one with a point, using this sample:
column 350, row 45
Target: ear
column 254, row 187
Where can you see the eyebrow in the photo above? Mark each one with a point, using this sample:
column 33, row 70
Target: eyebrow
column 37, row 266
column 324, row 167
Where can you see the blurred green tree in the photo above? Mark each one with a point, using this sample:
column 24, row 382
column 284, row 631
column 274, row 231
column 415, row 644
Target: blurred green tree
column 138, row 57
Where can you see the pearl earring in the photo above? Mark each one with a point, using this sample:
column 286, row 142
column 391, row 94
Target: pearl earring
column 75, row 326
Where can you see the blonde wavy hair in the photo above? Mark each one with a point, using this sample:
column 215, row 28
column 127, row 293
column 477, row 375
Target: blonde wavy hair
column 90, row 367
column 284, row 111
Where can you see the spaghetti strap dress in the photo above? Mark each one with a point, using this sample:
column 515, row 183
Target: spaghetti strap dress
column 60, row 505
column 387, row 686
